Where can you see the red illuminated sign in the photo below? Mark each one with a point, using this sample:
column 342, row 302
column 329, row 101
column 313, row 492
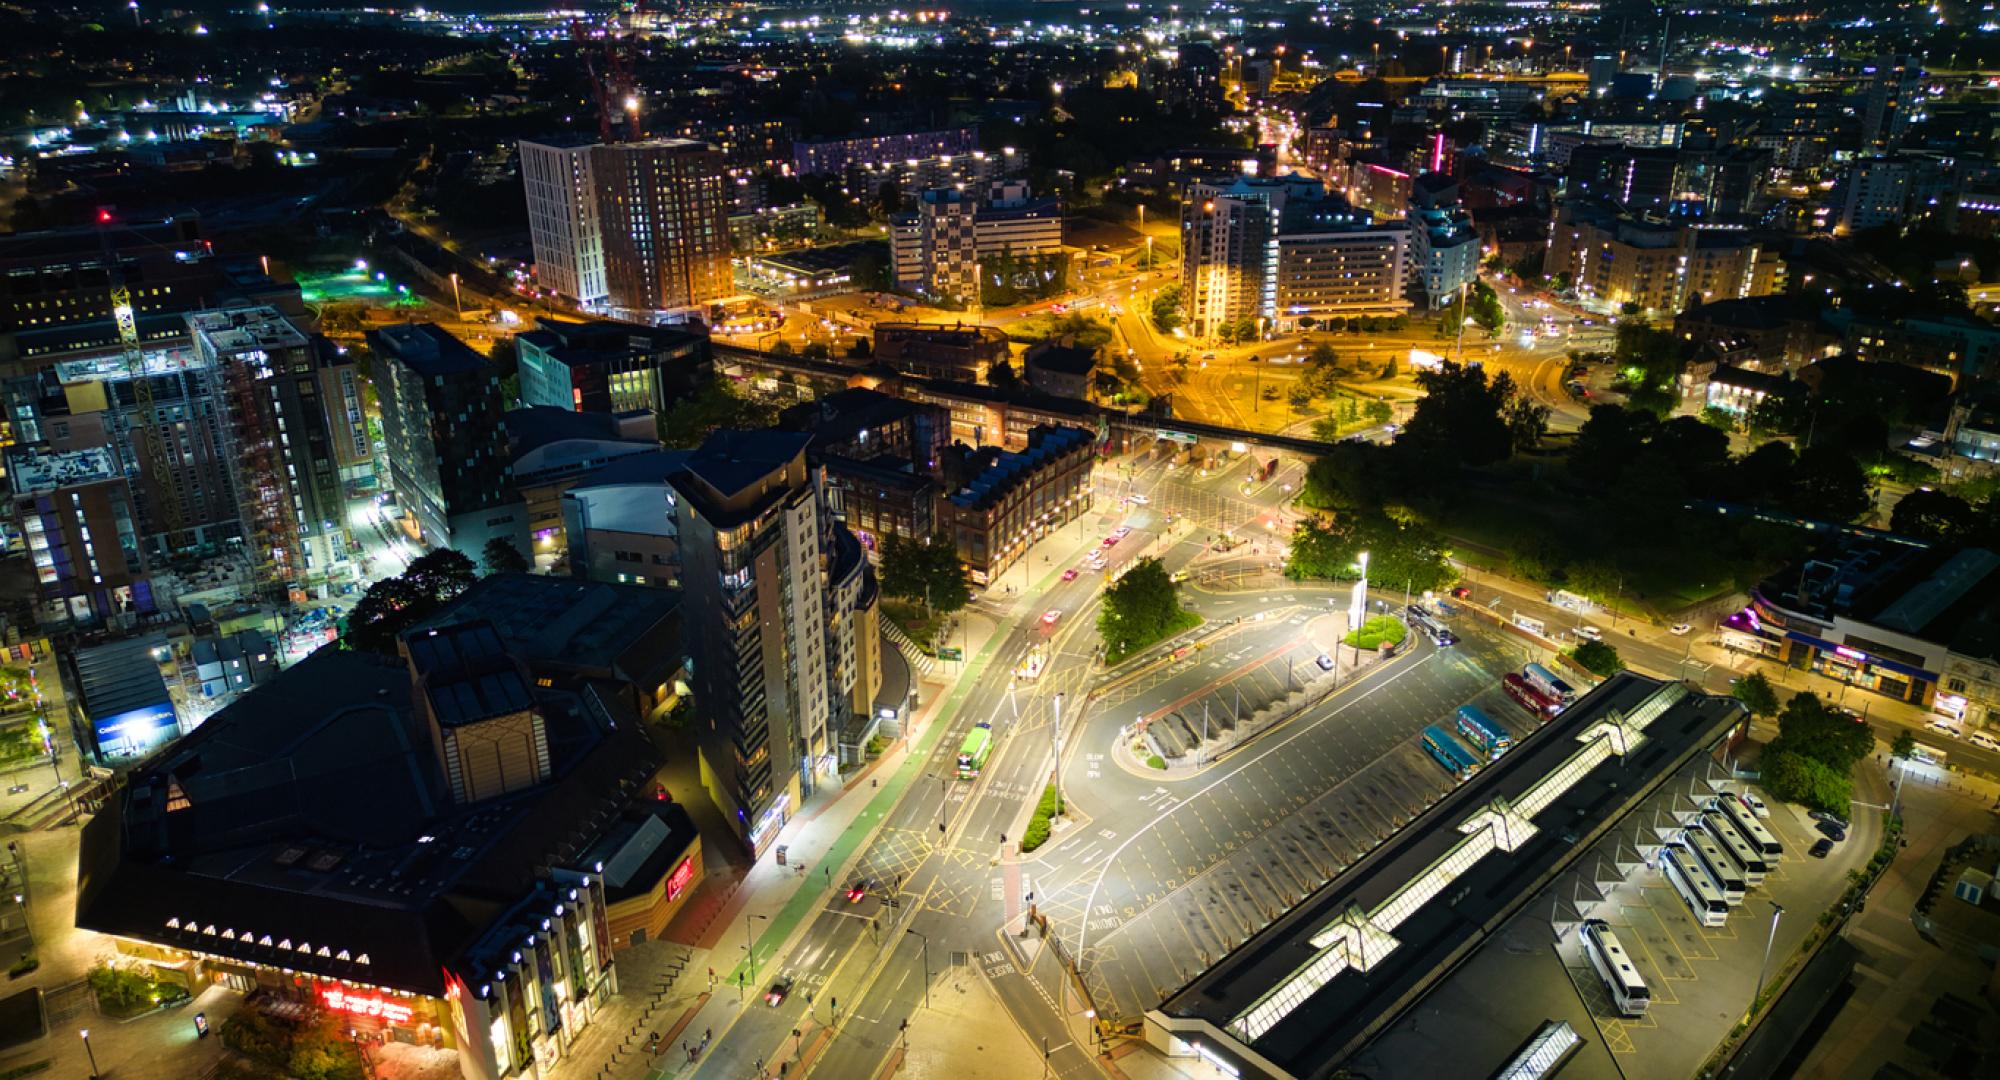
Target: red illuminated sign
column 679, row 879
column 395, row 1012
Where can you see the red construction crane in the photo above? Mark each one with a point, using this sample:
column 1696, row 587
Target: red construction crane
column 609, row 63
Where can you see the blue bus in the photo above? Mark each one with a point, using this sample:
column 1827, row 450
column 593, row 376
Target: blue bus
column 1445, row 750
column 1480, row 730
column 1545, row 680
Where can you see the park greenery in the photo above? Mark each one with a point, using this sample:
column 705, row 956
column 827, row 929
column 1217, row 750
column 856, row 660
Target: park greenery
column 1080, row 329
column 1597, row 658
column 1377, row 631
column 1401, row 552
column 1616, row 510
column 394, row 605
column 926, row 572
column 1141, row 608
column 1812, row 760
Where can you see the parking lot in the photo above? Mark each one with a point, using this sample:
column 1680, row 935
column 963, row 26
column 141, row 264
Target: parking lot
column 1163, row 885
column 1701, row 978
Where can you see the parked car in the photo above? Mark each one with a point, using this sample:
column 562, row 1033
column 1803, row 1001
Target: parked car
column 1753, row 804
column 1831, row 831
column 1831, row 819
column 1325, row 662
column 1821, row 848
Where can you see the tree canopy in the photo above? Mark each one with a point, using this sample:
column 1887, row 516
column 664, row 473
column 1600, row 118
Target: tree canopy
column 395, row 604
column 1460, row 419
column 1754, row 691
column 927, row 572
column 717, row 404
column 1598, row 658
column 1402, row 551
column 1141, row 608
column 501, row 556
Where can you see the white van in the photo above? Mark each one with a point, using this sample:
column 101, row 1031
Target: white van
column 1984, row 741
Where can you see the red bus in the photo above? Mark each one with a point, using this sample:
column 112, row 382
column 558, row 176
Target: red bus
column 1526, row 696
column 1270, row 468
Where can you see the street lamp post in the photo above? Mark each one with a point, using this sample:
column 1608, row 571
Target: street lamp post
column 927, row 964
column 88, row 1052
column 1357, row 605
column 1056, row 769
column 750, row 943
column 1777, row 912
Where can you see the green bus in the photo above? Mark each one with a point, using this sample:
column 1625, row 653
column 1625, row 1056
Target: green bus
column 972, row 753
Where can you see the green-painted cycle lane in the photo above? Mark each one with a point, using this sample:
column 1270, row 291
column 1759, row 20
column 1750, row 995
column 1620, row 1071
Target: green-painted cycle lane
column 809, row 897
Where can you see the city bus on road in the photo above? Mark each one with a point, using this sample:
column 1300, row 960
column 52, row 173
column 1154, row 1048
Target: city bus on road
column 1627, row 988
column 1422, row 619
column 1721, row 871
column 1748, row 862
column 1544, row 680
column 1445, row 750
column 1526, row 696
column 1753, row 831
column 1700, row 895
column 1480, row 730
column 972, row 752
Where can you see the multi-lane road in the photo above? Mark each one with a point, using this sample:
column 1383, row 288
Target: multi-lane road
column 1151, row 877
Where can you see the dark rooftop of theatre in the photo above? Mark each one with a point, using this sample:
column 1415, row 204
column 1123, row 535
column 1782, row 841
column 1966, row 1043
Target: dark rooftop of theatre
column 467, row 673
column 1317, row 1035
column 571, row 626
column 308, row 825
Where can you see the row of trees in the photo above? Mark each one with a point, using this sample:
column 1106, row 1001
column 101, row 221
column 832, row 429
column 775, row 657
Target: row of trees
column 1401, row 550
column 1812, row 760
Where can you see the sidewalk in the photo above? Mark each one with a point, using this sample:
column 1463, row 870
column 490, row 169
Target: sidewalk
column 760, row 909
column 964, row 1034
column 1899, row 974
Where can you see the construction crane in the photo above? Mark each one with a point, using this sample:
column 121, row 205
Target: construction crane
column 162, row 502
column 609, row 63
